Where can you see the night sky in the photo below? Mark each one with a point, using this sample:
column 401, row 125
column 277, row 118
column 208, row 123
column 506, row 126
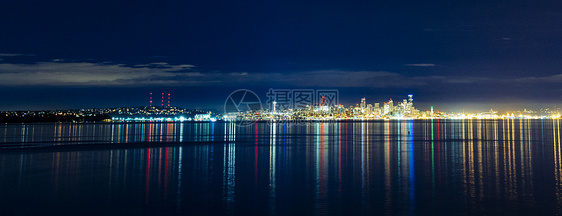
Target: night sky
column 449, row 54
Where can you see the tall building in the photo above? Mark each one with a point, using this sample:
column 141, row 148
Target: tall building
column 431, row 111
column 410, row 104
column 386, row 108
column 363, row 103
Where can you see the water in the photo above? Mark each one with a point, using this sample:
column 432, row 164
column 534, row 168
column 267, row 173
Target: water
column 439, row 167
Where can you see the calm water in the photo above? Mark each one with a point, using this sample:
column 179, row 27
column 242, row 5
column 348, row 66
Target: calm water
column 464, row 167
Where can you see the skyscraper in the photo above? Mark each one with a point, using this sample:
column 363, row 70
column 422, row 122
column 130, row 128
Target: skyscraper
column 363, row 103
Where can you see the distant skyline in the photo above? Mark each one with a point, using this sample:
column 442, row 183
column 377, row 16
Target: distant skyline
column 450, row 55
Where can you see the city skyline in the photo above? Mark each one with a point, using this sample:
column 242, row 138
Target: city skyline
column 244, row 107
column 458, row 54
column 164, row 99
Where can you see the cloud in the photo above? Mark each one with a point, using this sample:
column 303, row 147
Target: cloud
column 468, row 80
column 9, row 54
column 340, row 78
column 239, row 74
column 60, row 73
column 92, row 74
column 376, row 79
column 186, row 66
column 557, row 78
column 14, row 54
column 164, row 65
column 421, row 65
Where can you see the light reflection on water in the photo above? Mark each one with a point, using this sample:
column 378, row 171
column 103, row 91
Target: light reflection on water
column 387, row 167
column 33, row 135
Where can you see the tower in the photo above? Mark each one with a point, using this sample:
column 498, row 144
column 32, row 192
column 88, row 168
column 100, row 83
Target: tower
column 431, row 113
column 150, row 98
column 168, row 99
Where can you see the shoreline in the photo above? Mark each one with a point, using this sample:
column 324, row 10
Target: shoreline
column 277, row 121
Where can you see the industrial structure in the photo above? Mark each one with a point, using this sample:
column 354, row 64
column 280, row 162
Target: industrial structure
column 162, row 101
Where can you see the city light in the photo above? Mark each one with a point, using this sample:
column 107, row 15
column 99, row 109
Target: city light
column 389, row 111
column 362, row 111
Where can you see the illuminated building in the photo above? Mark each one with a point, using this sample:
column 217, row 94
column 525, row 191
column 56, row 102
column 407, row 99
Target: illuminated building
column 386, row 108
column 363, row 103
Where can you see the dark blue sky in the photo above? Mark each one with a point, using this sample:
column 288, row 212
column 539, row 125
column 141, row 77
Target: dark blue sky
column 450, row 54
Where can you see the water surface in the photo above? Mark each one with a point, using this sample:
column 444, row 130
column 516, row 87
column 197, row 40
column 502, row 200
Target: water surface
column 439, row 167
